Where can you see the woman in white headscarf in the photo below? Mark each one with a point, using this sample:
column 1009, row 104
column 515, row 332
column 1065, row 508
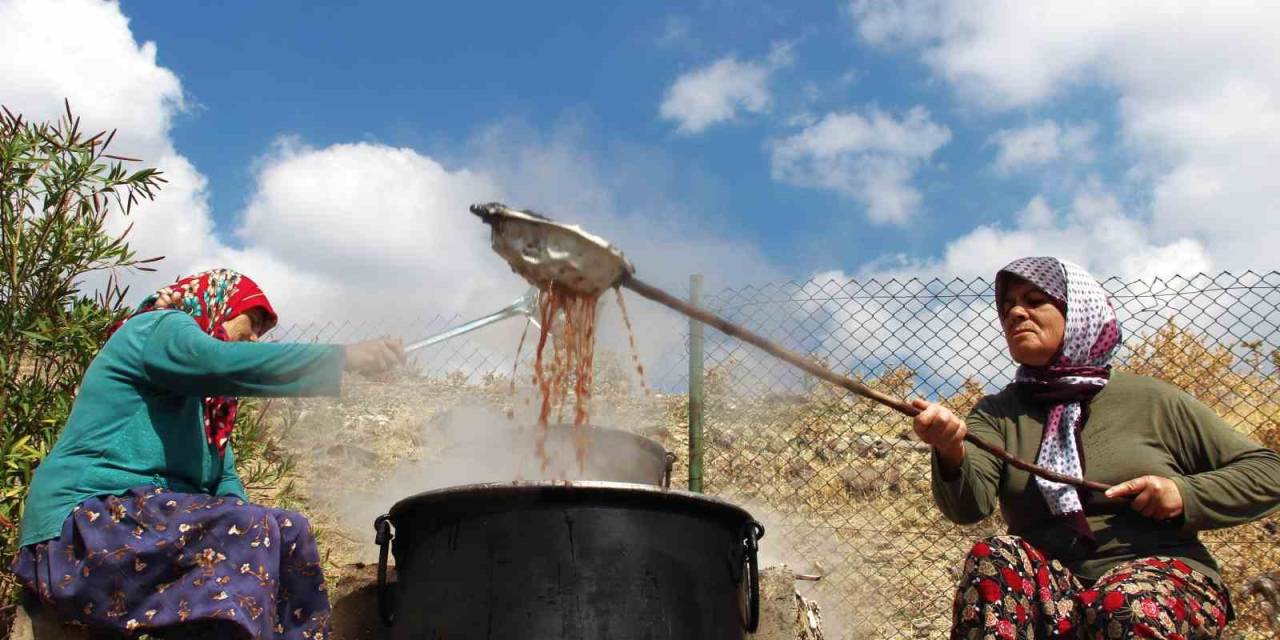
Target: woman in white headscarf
column 1127, row 563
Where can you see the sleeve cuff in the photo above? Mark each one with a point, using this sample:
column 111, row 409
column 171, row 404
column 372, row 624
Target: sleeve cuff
column 1192, row 513
column 234, row 490
column 952, row 479
column 335, row 363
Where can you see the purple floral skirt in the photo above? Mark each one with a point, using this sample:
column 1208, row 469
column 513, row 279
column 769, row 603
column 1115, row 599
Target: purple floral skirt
column 153, row 559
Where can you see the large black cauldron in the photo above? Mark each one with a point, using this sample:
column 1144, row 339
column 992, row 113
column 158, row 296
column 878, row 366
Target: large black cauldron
column 579, row 561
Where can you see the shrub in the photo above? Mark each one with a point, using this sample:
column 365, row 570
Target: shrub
column 58, row 191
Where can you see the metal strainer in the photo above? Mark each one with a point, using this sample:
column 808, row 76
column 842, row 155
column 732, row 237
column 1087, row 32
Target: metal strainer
column 547, row 253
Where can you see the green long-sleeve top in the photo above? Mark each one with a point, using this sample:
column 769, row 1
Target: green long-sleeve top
column 1137, row 426
column 138, row 418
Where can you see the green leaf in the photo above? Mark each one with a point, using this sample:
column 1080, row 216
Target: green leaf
column 58, row 196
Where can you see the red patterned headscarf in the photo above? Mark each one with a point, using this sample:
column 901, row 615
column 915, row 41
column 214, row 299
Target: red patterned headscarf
column 212, row 298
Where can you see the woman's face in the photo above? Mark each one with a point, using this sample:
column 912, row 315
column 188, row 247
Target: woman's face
column 247, row 327
column 1033, row 324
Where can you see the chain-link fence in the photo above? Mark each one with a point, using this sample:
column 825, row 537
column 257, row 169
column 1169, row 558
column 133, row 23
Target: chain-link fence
column 846, row 492
column 842, row 488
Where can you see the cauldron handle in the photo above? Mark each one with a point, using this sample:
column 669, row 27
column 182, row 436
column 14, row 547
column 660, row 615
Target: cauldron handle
column 666, row 472
column 383, row 539
column 752, row 533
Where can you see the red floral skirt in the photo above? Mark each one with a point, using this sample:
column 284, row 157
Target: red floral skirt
column 1010, row 590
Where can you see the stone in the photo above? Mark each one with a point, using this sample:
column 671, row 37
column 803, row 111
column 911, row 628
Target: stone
column 351, row 454
column 923, row 627
column 784, row 613
column 800, row 471
column 1265, row 589
column 872, row 446
column 31, row 621
column 865, row 481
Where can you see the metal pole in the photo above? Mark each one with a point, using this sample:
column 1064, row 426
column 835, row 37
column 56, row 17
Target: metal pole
column 695, row 388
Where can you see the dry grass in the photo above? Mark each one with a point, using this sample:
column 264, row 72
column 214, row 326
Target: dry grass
column 1245, row 390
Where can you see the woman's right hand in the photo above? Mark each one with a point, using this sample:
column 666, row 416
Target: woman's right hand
column 168, row 299
column 375, row 356
column 941, row 429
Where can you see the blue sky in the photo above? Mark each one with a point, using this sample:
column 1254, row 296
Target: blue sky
column 331, row 148
column 430, row 75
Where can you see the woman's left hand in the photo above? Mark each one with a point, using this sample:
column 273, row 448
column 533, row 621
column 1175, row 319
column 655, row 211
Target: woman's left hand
column 1154, row 496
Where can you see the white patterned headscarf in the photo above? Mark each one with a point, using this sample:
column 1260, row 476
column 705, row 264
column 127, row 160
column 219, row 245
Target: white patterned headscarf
column 1080, row 369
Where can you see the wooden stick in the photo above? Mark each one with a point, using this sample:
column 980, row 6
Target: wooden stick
column 809, row 366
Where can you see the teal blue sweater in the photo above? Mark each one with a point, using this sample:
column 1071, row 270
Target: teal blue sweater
column 138, row 417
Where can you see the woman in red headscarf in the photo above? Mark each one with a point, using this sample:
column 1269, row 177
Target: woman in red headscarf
column 136, row 520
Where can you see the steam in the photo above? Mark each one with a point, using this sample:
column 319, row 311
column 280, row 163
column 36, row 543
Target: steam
column 819, row 552
column 478, row 444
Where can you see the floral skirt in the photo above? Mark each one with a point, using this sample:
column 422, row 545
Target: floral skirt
column 153, row 559
column 1010, row 590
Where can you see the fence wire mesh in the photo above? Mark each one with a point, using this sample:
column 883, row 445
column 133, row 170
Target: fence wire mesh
column 840, row 485
column 844, row 488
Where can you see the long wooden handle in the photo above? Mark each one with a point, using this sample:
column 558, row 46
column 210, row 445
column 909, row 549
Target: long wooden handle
column 809, row 366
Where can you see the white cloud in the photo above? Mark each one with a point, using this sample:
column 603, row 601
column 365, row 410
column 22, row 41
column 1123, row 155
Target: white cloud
column 1041, row 143
column 84, row 52
column 361, row 234
column 897, row 22
column 721, row 91
column 676, row 31
column 1197, row 86
column 870, row 159
column 947, row 338
column 1036, row 215
column 1094, row 232
column 375, row 227
column 90, row 56
column 378, row 236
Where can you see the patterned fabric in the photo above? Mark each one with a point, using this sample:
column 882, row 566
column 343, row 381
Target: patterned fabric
column 212, row 298
column 152, row 559
column 1079, row 370
column 1010, row 590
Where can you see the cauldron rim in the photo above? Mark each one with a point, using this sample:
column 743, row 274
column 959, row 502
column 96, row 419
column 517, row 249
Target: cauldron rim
column 652, row 445
column 581, row 492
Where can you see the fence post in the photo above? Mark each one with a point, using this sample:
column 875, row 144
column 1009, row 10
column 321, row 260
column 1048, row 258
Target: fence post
column 695, row 388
